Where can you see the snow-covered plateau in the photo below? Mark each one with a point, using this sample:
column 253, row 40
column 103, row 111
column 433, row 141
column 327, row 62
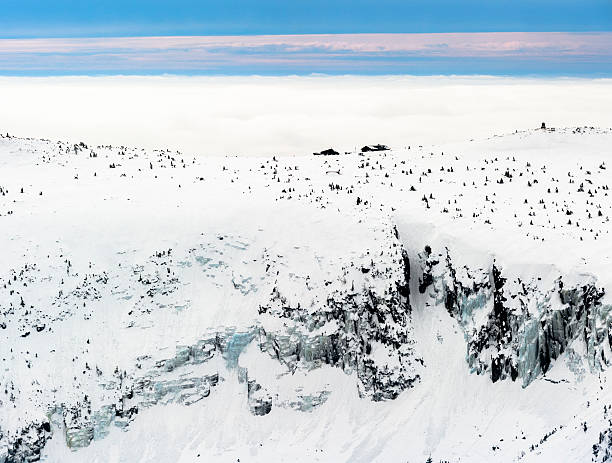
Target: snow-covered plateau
column 445, row 303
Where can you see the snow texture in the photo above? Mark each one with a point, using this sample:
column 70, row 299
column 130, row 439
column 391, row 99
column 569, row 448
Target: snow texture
column 447, row 302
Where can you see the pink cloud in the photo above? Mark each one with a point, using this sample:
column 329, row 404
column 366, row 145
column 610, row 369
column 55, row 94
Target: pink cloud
column 447, row 44
column 315, row 52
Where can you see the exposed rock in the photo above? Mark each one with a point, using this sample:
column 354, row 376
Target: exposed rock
column 260, row 402
column 26, row 445
column 525, row 326
column 356, row 330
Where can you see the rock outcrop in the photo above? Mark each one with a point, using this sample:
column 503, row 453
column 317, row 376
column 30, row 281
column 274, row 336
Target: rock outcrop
column 516, row 329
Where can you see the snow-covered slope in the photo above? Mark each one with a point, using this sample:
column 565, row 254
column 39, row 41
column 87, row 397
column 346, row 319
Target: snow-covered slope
column 449, row 302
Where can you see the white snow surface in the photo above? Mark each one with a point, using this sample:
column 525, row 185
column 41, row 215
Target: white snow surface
column 79, row 220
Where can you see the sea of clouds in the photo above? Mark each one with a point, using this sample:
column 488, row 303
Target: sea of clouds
column 293, row 115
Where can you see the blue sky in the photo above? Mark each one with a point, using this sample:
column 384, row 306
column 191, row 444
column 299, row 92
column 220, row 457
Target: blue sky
column 94, row 18
column 39, row 25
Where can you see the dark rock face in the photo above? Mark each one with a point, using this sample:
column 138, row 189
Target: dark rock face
column 427, row 275
column 526, row 326
column 351, row 331
column 28, row 444
column 260, row 402
column 602, row 449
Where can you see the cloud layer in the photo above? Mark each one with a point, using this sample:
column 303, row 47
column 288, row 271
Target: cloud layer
column 444, row 53
column 293, row 115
